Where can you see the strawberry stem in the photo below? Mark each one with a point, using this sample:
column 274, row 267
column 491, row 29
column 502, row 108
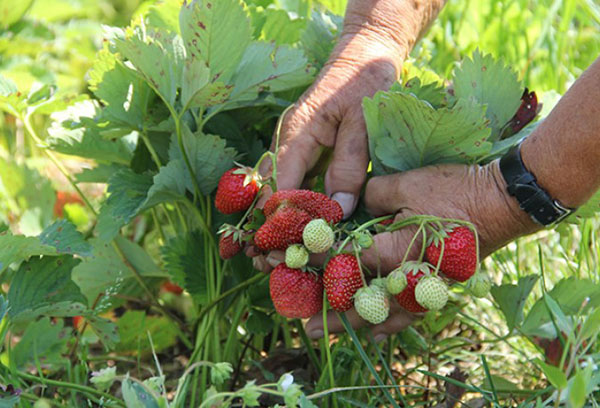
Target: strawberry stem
column 274, row 155
column 412, row 242
column 362, row 227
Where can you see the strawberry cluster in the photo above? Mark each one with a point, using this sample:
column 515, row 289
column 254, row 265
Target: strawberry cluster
column 301, row 222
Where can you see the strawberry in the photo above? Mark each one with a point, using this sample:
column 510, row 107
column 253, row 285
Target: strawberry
column 318, row 236
column 295, row 294
column 282, row 229
column 342, row 279
column 372, row 304
column 62, row 198
column 431, row 292
column 479, row 285
column 296, row 256
column 171, row 287
column 406, row 299
column 396, row 281
column 236, row 190
column 78, row 322
column 459, row 261
column 317, row 205
column 228, row 245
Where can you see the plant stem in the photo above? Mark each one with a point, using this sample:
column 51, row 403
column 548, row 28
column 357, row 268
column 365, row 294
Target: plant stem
column 27, row 122
column 78, row 387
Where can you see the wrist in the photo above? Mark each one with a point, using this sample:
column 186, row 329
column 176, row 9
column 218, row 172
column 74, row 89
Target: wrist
column 495, row 213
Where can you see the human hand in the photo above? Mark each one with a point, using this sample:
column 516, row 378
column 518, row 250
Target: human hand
column 471, row 193
column 328, row 116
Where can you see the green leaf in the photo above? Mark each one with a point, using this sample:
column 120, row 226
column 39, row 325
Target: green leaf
column 42, row 341
column 511, row 299
column 182, row 257
column 220, row 372
column 157, row 57
column 27, row 194
column 98, row 174
column 250, row 394
column 577, row 390
column 43, row 286
column 320, row 36
column 65, row 238
column 11, row 11
column 75, row 132
column 105, row 273
column 137, row 396
column 563, row 324
column 196, row 88
column 554, row 374
column 490, row 83
column 128, row 192
column 432, row 92
column 591, row 325
column 259, row 323
column 272, row 68
column 217, row 32
column 407, row 133
column 104, row 378
column 209, row 158
column 164, row 14
column 279, row 27
column 569, row 293
column 134, row 327
column 169, row 184
column 105, row 330
column 587, row 210
column 500, row 384
column 14, row 248
column 123, row 93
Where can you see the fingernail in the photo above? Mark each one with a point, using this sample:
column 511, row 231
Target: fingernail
column 380, row 337
column 347, row 201
column 316, row 334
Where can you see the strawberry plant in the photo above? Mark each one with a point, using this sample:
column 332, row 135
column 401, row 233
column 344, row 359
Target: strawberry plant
column 129, row 190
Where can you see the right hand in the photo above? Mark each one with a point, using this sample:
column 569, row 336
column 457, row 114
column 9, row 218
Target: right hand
column 329, row 116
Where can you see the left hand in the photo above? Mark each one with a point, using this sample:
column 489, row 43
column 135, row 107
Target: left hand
column 472, row 193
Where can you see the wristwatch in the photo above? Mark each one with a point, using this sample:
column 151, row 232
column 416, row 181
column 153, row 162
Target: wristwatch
column 532, row 198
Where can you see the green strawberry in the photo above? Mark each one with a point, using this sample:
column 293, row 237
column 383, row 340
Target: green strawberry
column 318, row 236
column 479, row 285
column 431, row 292
column 296, row 256
column 396, row 281
column 372, row 304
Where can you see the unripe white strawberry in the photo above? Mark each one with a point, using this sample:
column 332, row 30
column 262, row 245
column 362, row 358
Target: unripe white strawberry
column 372, row 304
column 396, row 281
column 318, row 236
column 431, row 292
column 479, row 285
column 296, row 256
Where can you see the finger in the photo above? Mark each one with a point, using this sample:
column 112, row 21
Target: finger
column 259, row 263
column 300, row 142
column 389, row 248
column 388, row 194
column 398, row 321
column 314, row 327
column 348, row 168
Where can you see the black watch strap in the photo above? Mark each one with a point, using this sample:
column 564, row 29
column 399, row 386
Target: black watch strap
column 532, row 199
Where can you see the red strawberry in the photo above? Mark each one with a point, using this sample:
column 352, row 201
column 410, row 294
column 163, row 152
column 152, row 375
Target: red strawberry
column 78, row 322
column 459, row 261
column 406, row 298
column 237, row 189
column 171, row 288
column 317, row 205
column 342, row 279
column 282, row 229
column 62, row 198
column 295, row 294
column 228, row 245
